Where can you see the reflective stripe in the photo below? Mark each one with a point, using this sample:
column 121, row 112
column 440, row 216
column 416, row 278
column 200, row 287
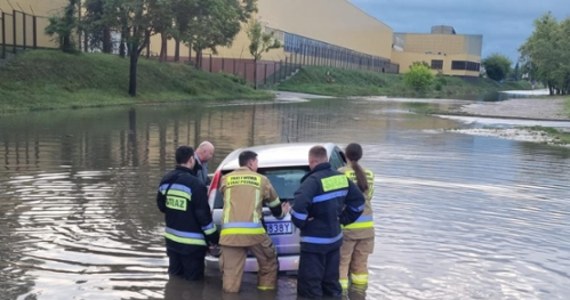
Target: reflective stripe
column 209, row 229
column 181, row 194
column 343, row 283
column 175, row 186
column 356, row 209
column 187, row 241
column 362, row 222
column 299, row 216
column 320, row 240
column 227, row 205
column 274, row 203
column 265, row 288
column 334, row 183
column 359, row 278
column 184, row 233
column 242, row 228
column 359, row 225
column 330, row 196
column 243, row 231
column 189, row 238
column 242, row 225
column 256, row 204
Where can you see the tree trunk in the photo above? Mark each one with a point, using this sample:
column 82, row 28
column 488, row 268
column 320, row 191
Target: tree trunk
column 124, row 38
column 134, row 58
column 107, row 42
column 177, row 51
column 255, row 74
column 199, row 59
column 163, row 47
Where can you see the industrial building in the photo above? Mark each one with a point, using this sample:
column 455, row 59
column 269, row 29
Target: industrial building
column 316, row 32
column 443, row 50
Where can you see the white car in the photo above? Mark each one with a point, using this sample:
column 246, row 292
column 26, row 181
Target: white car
column 284, row 165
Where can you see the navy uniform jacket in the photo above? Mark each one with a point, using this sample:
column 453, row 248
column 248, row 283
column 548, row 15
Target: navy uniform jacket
column 325, row 200
column 184, row 201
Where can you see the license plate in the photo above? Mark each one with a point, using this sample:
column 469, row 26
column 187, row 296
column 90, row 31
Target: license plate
column 278, row 228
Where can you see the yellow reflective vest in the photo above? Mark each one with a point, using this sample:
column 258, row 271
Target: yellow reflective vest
column 244, row 193
column 363, row 227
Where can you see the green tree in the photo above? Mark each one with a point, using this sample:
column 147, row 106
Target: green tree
column 64, row 26
column 216, row 23
column 419, row 77
column 134, row 18
column 97, row 31
column 260, row 42
column 542, row 53
column 497, row 66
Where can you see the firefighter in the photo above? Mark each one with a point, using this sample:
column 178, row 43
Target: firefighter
column 244, row 191
column 358, row 240
column 189, row 227
column 325, row 200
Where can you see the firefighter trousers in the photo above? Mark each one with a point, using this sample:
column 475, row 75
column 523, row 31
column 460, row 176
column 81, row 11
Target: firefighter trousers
column 187, row 266
column 318, row 274
column 232, row 263
column 354, row 260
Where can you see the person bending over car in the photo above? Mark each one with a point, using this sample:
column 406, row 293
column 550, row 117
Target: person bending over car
column 244, row 192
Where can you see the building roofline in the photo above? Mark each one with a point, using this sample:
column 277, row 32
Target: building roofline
column 367, row 14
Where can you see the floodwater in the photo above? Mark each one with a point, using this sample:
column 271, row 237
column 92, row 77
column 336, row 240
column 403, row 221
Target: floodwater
column 457, row 216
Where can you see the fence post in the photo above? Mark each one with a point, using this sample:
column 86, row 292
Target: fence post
column 234, row 69
column 24, row 30
column 35, row 31
column 274, row 73
column 14, row 31
column 265, row 76
column 210, row 63
column 3, row 35
column 223, row 65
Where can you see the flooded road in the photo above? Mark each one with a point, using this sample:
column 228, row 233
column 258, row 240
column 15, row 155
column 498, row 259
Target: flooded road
column 457, row 216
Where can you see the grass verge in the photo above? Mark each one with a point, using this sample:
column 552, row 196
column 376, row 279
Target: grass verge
column 339, row 82
column 561, row 138
column 44, row 79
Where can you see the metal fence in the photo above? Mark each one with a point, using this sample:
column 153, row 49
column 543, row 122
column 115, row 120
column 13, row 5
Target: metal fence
column 20, row 31
column 300, row 51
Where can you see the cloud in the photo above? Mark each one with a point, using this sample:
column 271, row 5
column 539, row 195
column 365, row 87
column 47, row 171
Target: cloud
column 505, row 25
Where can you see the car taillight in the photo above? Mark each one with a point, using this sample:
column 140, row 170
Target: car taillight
column 215, row 182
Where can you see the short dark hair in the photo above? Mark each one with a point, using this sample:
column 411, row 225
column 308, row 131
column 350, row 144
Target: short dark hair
column 318, row 152
column 183, row 154
column 246, row 156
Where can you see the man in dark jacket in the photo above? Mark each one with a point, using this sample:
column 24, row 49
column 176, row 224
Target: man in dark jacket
column 189, row 227
column 325, row 200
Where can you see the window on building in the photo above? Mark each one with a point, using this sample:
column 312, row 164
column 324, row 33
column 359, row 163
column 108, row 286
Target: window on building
column 458, row 65
column 465, row 65
column 437, row 64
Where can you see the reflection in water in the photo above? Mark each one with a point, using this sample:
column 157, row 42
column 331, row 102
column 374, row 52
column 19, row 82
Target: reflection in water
column 459, row 217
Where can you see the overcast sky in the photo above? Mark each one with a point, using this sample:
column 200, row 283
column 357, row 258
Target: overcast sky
column 504, row 24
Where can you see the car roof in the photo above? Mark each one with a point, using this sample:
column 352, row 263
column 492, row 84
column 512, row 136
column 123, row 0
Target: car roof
column 276, row 155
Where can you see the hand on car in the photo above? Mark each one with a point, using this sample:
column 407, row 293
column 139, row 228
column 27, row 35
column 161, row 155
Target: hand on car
column 285, row 207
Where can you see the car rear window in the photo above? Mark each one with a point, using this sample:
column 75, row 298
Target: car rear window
column 285, row 181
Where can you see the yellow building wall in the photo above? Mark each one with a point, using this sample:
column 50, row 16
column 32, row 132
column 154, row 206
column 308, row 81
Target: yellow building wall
column 337, row 22
column 40, row 8
column 405, row 60
column 34, row 7
column 428, row 47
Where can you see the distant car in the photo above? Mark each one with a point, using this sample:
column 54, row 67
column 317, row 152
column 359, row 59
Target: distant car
column 284, row 165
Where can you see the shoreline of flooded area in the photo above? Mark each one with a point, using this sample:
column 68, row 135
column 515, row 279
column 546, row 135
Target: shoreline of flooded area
column 457, row 216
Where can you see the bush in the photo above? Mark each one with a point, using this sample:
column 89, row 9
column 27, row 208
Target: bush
column 420, row 77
